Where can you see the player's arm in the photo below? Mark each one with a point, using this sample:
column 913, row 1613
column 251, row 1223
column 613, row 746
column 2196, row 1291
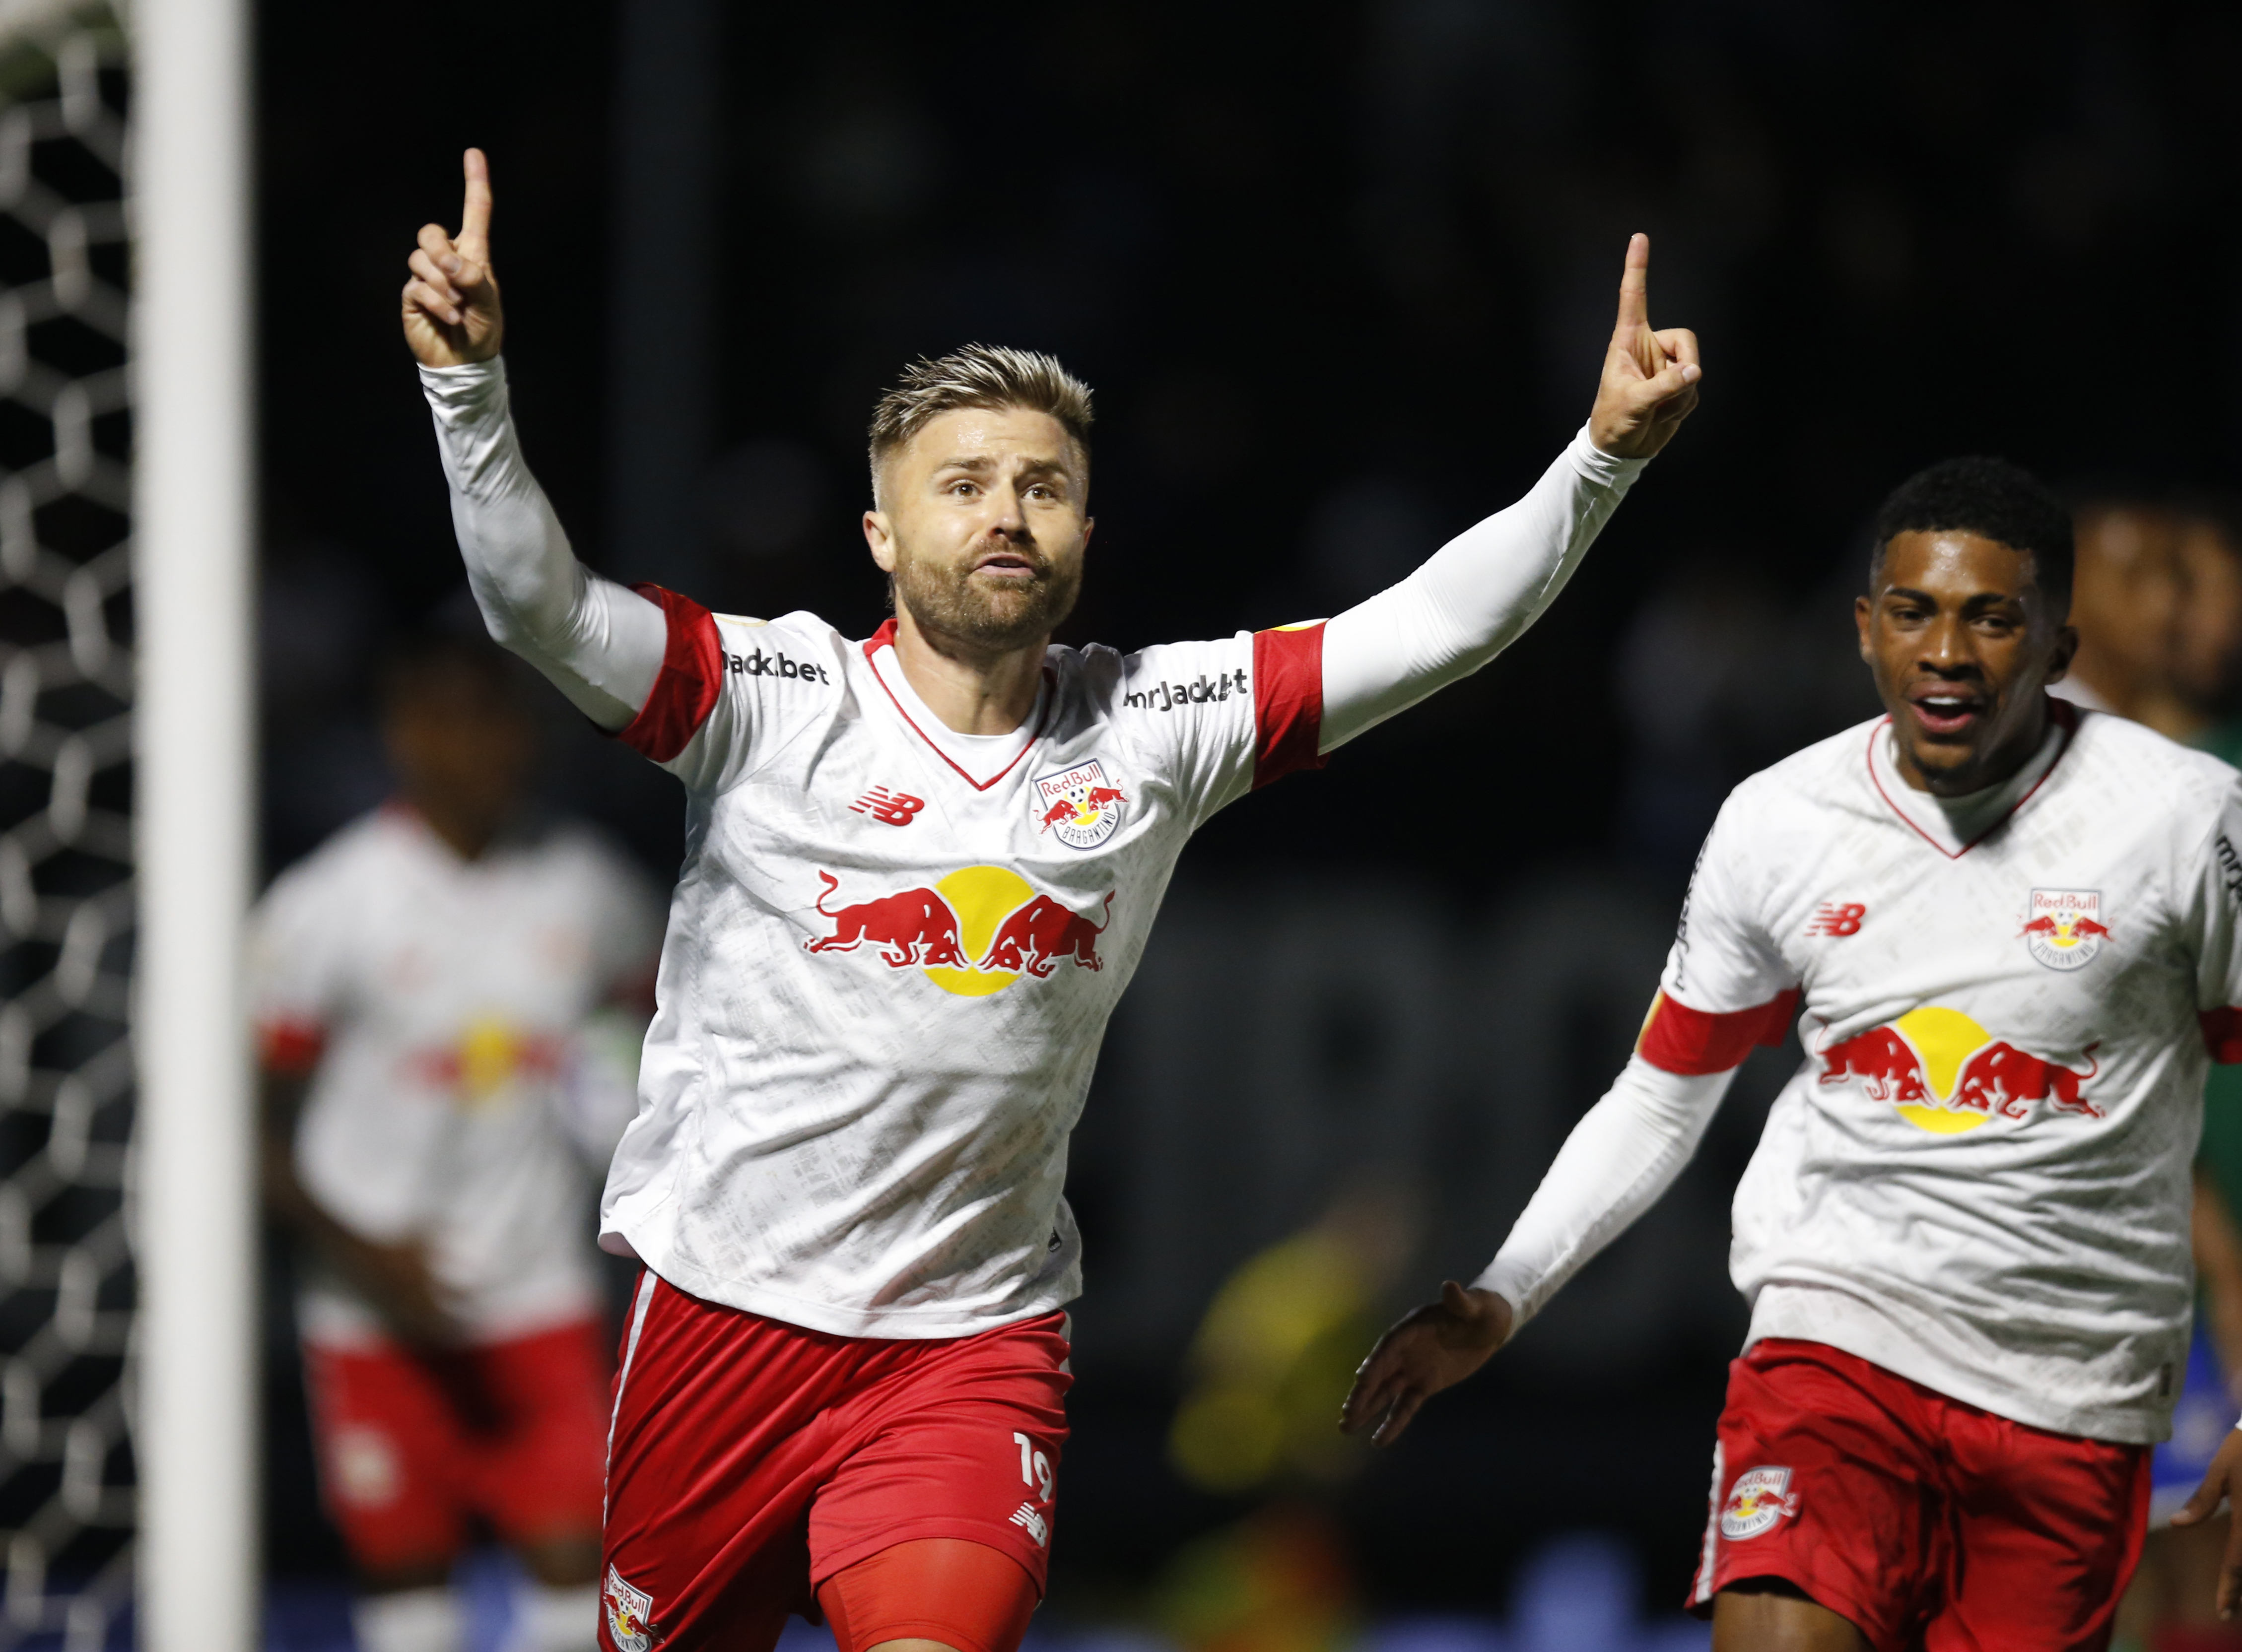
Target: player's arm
column 1623, row 1154
column 1480, row 592
column 601, row 644
column 1627, row 1150
column 395, row 1278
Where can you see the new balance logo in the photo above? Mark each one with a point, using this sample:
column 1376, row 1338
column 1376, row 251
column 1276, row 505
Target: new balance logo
column 1836, row 918
column 889, row 808
column 1033, row 1524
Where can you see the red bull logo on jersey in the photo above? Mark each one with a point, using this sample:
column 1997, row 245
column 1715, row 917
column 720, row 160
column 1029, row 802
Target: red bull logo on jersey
column 2064, row 928
column 1079, row 806
column 488, row 1056
column 1759, row 1498
column 629, row 1612
column 973, row 932
column 1943, row 1073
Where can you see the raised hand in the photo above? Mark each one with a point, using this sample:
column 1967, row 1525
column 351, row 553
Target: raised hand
column 1650, row 378
column 452, row 313
column 1431, row 1348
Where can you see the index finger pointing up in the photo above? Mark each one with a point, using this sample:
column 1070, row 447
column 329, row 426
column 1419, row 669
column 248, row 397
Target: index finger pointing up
column 1635, row 286
column 476, row 214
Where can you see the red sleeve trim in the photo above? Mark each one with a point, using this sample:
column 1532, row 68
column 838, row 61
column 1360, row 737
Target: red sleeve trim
column 685, row 691
column 291, row 1049
column 2222, row 1034
column 1678, row 1040
column 1288, row 701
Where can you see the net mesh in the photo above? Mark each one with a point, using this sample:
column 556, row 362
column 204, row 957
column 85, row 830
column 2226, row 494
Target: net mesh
column 66, row 912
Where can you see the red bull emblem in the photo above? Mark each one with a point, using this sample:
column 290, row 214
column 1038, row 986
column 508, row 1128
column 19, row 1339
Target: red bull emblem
column 974, row 932
column 488, row 1056
column 2064, row 928
column 1079, row 806
column 1945, row 1074
column 629, row 1612
column 1759, row 1498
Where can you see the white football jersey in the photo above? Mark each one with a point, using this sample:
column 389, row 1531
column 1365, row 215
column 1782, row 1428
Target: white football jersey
column 1979, row 1179
column 893, row 950
column 440, row 1006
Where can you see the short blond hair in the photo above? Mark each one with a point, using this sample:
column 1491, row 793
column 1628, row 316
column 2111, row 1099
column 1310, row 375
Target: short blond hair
column 980, row 375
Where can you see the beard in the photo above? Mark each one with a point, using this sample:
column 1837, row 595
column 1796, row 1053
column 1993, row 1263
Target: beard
column 947, row 601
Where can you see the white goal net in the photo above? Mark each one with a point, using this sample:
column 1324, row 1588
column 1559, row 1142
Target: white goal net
column 66, row 899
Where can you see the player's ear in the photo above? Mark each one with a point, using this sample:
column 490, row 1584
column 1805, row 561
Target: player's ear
column 881, row 538
column 1864, row 611
column 2066, row 650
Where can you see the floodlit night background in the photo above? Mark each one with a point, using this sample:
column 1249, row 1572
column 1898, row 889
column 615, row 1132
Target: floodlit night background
column 1341, row 275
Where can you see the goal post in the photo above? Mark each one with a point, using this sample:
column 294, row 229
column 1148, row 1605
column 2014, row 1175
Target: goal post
column 193, row 522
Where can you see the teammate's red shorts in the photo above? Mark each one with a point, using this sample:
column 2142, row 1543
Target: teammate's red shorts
column 411, row 1447
column 751, row 1460
column 1925, row 1522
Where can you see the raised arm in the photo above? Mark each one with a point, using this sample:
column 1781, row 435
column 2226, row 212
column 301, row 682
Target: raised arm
column 1480, row 591
column 600, row 643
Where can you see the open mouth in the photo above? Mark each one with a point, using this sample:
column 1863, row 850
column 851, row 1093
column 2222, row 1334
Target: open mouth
column 1946, row 711
column 1006, row 565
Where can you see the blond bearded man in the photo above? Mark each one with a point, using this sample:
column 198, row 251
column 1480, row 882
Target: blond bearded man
column 920, row 869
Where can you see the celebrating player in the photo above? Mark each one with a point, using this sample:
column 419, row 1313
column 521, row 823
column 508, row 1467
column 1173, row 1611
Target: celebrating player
column 2011, row 928
column 920, row 870
column 430, row 986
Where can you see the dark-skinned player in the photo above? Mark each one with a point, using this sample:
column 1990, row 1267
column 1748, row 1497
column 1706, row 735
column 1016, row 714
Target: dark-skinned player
column 2007, row 932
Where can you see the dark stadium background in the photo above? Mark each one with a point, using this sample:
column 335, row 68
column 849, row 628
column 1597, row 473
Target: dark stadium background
column 1341, row 275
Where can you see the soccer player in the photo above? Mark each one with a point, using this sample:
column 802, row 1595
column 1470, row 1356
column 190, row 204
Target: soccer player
column 430, row 988
column 919, row 871
column 2008, row 931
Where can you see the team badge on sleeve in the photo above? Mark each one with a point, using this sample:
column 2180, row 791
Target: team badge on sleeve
column 629, row 1612
column 2064, row 928
column 1079, row 806
column 1759, row 1499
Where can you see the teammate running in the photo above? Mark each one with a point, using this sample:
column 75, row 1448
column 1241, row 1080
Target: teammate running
column 431, row 985
column 2011, row 928
column 920, row 870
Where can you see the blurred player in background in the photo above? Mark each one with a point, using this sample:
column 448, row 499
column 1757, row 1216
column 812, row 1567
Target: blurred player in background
column 446, row 992
column 2015, row 932
column 921, row 869
column 2126, row 608
column 2170, row 1607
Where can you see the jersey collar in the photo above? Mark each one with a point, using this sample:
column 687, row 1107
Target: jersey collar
column 954, row 748
column 1954, row 826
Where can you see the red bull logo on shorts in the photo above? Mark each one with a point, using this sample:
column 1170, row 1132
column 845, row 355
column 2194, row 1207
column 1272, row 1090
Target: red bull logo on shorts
column 629, row 1612
column 1943, row 1072
column 1079, row 806
column 1759, row 1498
column 2064, row 928
column 973, row 932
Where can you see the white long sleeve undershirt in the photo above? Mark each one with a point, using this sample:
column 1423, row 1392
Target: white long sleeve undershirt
column 602, row 644
column 1623, row 1154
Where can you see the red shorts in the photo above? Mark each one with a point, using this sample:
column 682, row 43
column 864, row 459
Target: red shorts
column 1925, row 1522
column 411, row 1447
column 751, row 1460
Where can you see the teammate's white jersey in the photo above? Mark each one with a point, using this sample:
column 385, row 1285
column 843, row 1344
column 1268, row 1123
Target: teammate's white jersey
column 893, row 951
column 438, row 1004
column 1979, row 1179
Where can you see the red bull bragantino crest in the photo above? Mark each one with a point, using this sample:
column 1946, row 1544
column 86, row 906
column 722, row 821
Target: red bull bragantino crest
column 629, row 1612
column 1078, row 806
column 2064, row 927
column 974, row 932
column 1943, row 1073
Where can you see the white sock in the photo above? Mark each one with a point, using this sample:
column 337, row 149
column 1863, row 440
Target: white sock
column 555, row 1620
column 424, row 1620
